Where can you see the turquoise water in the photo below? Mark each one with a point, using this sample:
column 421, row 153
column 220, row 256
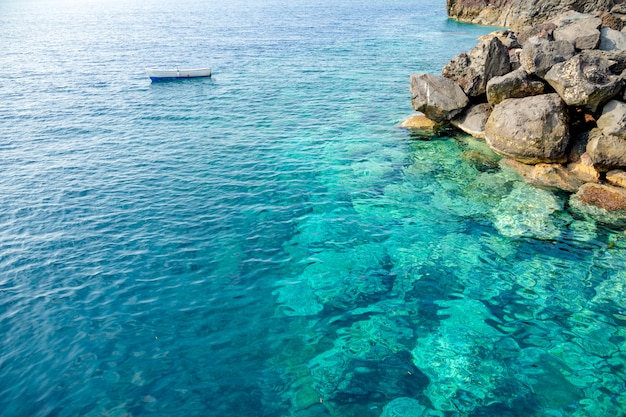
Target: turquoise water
column 267, row 242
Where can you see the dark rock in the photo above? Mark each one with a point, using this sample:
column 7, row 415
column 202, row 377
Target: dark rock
column 473, row 120
column 582, row 30
column 531, row 130
column 606, row 151
column 539, row 55
column 607, row 197
column 585, row 81
column 437, row 97
column 472, row 70
column 515, row 84
column 611, row 39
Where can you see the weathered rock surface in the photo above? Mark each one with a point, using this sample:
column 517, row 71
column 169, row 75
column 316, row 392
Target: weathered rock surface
column 582, row 30
column 517, row 14
column 611, row 39
column 604, row 196
column 472, row 70
column 515, row 84
column 531, row 130
column 438, row 98
column 585, row 81
column 473, row 120
column 540, row 55
column 606, row 151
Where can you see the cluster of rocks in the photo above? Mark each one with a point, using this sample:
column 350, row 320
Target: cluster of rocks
column 549, row 98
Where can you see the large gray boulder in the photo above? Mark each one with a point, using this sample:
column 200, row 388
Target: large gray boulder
column 472, row 70
column 584, row 81
column 540, row 54
column 582, row 30
column 515, row 84
column 437, row 97
column 607, row 143
column 611, row 40
column 531, row 130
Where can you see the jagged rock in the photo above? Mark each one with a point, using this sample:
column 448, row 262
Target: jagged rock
column 585, row 81
column 609, row 20
column 472, row 70
column 515, row 84
column 606, row 151
column 517, row 14
column 607, row 197
column 582, row 30
column 531, row 130
column 617, row 177
column 539, row 55
column 472, row 121
column 611, row 39
column 546, row 175
column 438, row 98
column 613, row 119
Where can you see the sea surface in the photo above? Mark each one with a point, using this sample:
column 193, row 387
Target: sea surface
column 268, row 242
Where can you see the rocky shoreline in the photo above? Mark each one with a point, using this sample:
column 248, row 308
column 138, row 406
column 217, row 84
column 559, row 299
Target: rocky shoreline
column 548, row 96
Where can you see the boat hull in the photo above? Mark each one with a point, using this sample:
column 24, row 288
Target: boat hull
column 164, row 75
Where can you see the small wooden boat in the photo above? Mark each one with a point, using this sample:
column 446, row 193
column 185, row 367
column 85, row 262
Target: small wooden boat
column 172, row 74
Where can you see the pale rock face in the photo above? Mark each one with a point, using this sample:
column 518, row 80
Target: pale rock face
column 584, row 81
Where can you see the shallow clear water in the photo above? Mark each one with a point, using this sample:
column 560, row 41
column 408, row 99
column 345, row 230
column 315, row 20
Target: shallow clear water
column 267, row 242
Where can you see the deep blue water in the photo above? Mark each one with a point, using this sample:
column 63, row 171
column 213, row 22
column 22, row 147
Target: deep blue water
column 267, row 242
